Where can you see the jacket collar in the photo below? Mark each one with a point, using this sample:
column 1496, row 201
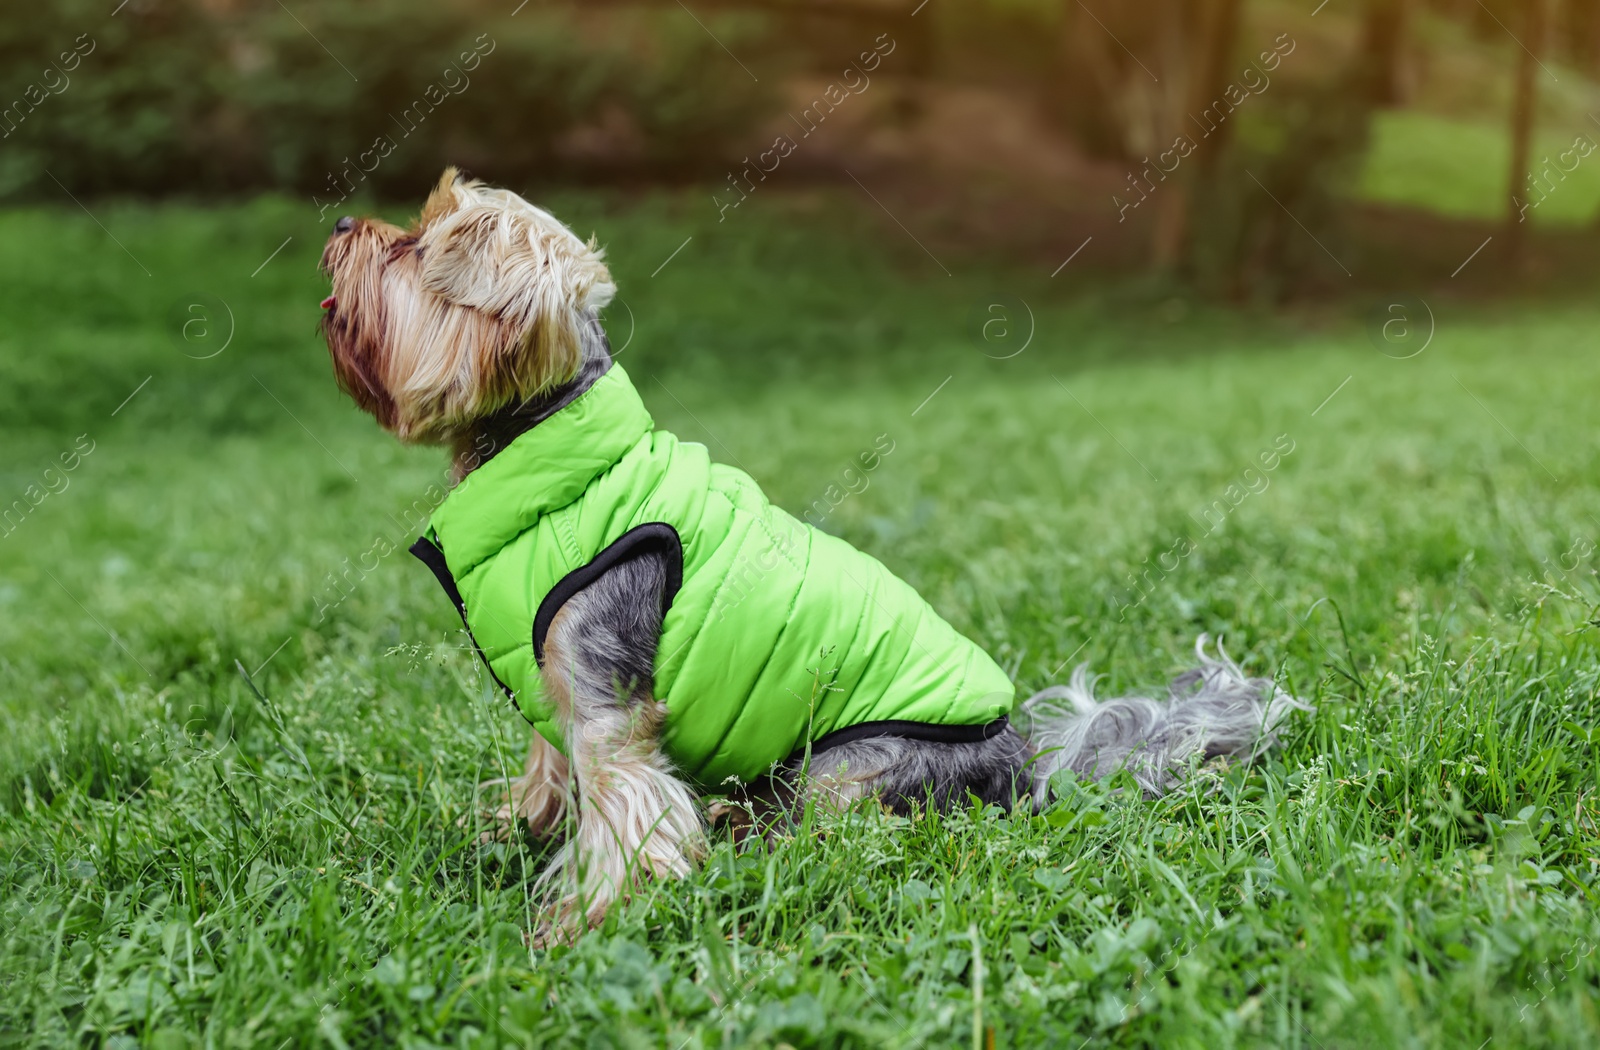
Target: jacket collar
column 541, row 471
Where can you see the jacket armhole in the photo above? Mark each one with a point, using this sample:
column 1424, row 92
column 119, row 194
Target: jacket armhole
column 651, row 537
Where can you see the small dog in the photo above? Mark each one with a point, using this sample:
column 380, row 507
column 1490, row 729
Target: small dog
column 669, row 632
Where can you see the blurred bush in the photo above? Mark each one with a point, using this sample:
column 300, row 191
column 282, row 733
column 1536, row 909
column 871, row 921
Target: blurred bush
column 685, row 116
column 1270, row 215
column 128, row 103
column 349, row 95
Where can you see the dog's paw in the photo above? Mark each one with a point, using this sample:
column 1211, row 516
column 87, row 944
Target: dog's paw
column 560, row 925
column 541, row 803
column 597, row 869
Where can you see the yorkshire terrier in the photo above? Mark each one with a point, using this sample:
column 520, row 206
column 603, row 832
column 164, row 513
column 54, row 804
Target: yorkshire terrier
column 669, row 632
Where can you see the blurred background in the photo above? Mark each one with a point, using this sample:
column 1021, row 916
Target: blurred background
column 1399, row 133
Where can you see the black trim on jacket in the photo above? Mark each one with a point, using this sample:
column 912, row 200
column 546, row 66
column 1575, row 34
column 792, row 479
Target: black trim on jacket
column 430, row 555
column 929, row 731
column 655, row 536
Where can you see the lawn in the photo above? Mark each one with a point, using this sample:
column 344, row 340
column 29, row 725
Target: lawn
column 185, row 861
column 1459, row 168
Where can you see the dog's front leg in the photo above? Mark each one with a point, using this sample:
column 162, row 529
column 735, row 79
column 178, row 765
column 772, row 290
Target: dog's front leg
column 635, row 818
column 539, row 796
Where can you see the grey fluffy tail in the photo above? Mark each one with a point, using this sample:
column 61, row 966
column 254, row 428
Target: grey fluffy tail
column 1210, row 711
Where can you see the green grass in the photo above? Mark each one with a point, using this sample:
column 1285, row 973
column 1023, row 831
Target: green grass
column 183, row 863
column 1458, row 168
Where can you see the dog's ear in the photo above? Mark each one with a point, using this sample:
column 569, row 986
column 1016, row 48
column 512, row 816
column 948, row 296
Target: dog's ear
column 442, row 201
column 491, row 251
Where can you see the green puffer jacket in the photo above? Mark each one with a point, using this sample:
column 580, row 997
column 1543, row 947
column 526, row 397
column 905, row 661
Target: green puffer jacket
column 761, row 607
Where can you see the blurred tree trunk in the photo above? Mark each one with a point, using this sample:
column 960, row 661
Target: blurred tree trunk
column 1580, row 25
column 1222, row 31
column 1180, row 21
column 1084, row 95
column 1383, row 47
column 1522, row 121
column 1198, row 49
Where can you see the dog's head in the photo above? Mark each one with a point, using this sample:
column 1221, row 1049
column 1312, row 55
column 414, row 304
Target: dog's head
column 482, row 303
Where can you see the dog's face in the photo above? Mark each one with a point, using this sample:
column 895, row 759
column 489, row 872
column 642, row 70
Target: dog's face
column 480, row 304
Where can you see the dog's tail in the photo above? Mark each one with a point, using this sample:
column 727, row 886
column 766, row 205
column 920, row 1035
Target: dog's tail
column 1210, row 711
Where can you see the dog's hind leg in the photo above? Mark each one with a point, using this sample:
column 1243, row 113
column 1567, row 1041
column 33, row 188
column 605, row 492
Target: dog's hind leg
column 905, row 773
column 635, row 818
